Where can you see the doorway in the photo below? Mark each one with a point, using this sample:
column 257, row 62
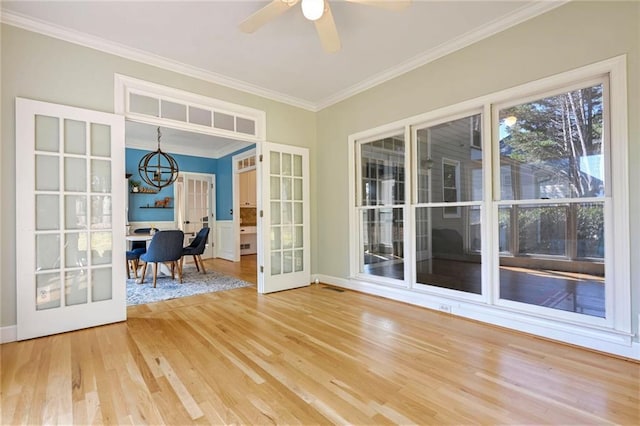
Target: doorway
column 245, row 222
column 195, row 195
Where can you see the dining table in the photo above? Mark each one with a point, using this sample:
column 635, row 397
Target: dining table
column 163, row 269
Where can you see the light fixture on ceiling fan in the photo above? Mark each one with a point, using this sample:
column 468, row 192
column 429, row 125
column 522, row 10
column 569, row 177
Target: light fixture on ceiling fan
column 317, row 11
column 312, row 9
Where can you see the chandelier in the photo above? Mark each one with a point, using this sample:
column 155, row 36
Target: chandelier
column 157, row 168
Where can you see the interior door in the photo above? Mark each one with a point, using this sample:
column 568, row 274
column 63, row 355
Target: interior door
column 283, row 254
column 199, row 208
column 70, row 218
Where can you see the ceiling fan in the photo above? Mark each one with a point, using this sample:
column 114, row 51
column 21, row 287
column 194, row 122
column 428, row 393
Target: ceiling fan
column 317, row 11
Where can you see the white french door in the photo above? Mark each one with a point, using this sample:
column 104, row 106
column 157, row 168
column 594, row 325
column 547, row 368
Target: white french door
column 283, row 252
column 70, row 218
column 197, row 206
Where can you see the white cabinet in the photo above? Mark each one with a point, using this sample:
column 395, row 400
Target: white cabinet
column 248, row 188
column 248, row 240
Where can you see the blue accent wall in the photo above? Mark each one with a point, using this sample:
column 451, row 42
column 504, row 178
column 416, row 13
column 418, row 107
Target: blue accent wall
column 224, row 185
column 222, row 168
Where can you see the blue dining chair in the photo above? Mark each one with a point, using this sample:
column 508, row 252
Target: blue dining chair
column 133, row 259
column 140, row 247
column 165, row 246
column 196, row 248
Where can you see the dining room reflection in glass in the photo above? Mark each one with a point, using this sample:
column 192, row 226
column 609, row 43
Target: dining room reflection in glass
column 445, row 256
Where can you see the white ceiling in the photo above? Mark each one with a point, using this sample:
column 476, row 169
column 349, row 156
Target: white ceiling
column 283, row 60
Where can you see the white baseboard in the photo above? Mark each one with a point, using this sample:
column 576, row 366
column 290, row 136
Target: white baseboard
column 8, row 334
column 608, row 341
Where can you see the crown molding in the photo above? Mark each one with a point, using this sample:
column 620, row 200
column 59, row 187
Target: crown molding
column 103, row 45
column 498, row 25
column 518, row 16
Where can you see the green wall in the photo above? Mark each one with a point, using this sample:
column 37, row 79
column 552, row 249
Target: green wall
column 47, row 69
column 568, row 37
column 571, row 36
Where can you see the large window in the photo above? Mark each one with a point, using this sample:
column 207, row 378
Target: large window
column 447, row 208
column 552, row 157
column 512, row 204
column 382, row 198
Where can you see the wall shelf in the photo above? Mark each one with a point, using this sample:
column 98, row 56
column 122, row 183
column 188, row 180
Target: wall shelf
column 154, row 207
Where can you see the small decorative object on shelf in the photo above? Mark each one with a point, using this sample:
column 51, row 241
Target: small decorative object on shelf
column 145, row 190
column 163, row 203
column 135, row 185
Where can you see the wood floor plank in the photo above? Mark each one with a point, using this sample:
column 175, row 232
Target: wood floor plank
column 308, row 356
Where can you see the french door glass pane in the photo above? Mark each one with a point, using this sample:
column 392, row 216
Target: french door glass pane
column 100, row 211
column 275, row 187
column 287, row 194
column 297, row 213
column 299, row 261
column 75, row 174
column 554, row 146
column 286, row 164
column 76, row 287
column 287, row 262
column 450, row 161
column 274, row 165
column 298, row 230
column 276, row 238
column 101, row 284
column 75, row 137
column 383, row 242
column 276, row 263
column 287, row 213
column 557, row 256
column 100, row 176
column 47, row 173
column 47, row 252
column 75, row 211
column 101, row 248
column 443, row 259
column 47, row 291
column 47, row 133
column 76, row 249
column 47, row 212
column 287, row 237
column 100, row 140
column 297, row 189
column 275, row 213
column 297, row 165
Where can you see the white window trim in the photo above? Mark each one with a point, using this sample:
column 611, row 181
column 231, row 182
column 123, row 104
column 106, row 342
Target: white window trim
column 615, row 334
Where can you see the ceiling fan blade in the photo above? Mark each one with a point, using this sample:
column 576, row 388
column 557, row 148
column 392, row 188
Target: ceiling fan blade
column 327, row 31
column 385, row 4
column 267, row 13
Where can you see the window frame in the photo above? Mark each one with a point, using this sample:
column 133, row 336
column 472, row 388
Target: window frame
column 355, row 217
column 617, row 262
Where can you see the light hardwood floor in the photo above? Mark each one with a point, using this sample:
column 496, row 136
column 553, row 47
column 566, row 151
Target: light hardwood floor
column 308, row 356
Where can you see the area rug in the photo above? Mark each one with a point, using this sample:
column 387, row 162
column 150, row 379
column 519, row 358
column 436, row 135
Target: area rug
column 193, row 282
